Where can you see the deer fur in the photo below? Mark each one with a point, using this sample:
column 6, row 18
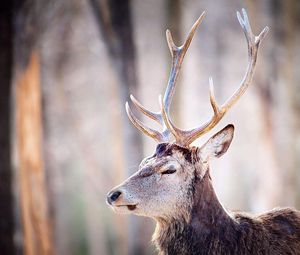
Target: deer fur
column 190, row 219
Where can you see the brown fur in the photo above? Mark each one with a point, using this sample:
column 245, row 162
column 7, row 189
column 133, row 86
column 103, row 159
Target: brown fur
column 213, row 230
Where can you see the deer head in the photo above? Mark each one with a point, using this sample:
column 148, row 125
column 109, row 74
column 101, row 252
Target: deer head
column 164, row 186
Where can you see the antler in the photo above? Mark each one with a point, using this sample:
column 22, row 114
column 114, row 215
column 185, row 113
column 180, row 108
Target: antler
column 177, row 54
column 186, row 137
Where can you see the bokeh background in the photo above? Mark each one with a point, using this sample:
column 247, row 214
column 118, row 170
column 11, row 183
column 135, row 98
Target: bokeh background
column 67, row 68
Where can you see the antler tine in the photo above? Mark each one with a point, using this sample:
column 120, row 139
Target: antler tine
column 212, row 98
column 186, row 137
column 157, row 136
column 178, row 53
column 153, row 115
column 253, row 45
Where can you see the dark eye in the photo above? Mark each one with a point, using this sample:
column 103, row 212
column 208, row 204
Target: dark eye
column 169, row 171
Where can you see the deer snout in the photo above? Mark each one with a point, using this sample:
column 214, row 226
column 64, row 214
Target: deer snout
column 113, row 196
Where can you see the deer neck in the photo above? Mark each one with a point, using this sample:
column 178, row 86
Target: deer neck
column 207, row 218
column 207, row 214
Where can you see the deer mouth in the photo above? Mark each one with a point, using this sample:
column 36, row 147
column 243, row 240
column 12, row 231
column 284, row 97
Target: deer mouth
column 129, row 207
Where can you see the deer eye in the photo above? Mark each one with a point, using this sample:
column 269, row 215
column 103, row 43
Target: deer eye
column 169, row 171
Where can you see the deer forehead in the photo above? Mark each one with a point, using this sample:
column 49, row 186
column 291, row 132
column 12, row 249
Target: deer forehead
column 167, row 156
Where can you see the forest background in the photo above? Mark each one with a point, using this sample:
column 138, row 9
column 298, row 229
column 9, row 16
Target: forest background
column 67, row 67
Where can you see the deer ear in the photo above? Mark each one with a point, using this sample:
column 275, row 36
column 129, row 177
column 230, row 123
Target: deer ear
column 218, row 144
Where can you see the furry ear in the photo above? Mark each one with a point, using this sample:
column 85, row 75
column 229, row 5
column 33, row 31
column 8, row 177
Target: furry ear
column 218, row 144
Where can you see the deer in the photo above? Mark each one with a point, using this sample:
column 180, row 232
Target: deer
column 174, row 186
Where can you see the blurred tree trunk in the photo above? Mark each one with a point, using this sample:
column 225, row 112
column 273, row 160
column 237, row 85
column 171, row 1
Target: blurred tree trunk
column 278, row 93
column 33, row 199
column 114, row 20
column 30, row 169
column 288, row 36
column 292, row 14
column 6, row 180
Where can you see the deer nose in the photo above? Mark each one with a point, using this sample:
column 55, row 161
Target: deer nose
column 113, row 196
